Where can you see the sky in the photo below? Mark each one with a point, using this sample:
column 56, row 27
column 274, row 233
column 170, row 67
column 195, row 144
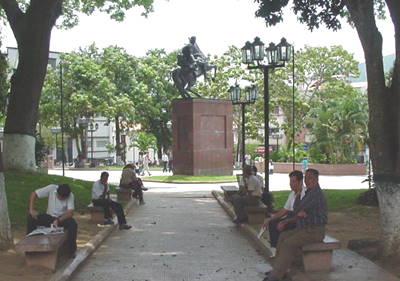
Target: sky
column 217, row 24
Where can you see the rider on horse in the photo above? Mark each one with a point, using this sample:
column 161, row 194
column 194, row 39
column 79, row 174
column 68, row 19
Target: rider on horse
column 192, row 58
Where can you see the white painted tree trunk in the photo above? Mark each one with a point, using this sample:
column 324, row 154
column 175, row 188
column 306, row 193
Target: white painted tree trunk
column 6, row 240
column 19, row 152
column 389, row 206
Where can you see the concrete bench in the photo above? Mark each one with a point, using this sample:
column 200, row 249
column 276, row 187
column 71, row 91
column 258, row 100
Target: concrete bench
column 318, row 256
column 42, row 250
column 256, row 214
column 229, row 191
column 96, row 213
column 124, row 194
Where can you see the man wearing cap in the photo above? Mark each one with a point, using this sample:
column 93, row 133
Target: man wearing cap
column 60, row 211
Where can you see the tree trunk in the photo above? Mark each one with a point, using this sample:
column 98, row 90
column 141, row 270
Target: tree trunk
column 118, row 146
column 384, row 117
column 389, row 198
column 32, row 31
column 6, row 240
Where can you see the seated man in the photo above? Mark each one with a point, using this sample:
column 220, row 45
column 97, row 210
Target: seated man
column 130, row 180
column 60, row 211
column 101, row 197
column 311, row 217
column 250, row 190
column 280, row 221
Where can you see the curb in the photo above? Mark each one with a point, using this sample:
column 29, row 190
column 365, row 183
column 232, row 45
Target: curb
column 66, row 271
column 261, row 244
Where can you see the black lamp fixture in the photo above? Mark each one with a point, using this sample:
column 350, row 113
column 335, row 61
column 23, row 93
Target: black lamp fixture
column 256, row 56
column 250, row 97
column 92, row 128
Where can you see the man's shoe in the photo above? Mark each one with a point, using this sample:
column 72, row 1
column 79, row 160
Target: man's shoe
column 108, row 222
column 145, row 188
column 124, row 226
column 239, row 221
column 142, row 202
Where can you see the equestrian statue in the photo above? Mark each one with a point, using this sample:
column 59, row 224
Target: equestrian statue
column 192, row 63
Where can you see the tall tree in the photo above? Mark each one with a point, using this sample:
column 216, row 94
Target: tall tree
column 154, row 110
column 87, row 91
column 129, row 91
column 6, row 240
column 384, row 101
column 4, row 86
column 32, row 22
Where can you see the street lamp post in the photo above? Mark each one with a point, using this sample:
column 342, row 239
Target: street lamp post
column 257, row 57
column 250, row 98
column 93, row 128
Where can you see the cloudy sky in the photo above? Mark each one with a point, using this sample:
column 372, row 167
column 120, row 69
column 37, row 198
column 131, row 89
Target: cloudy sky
column 216, row 24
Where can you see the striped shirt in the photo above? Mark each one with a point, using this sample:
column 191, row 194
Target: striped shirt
column 314, row 204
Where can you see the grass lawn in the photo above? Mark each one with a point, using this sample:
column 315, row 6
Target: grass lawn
column 338, row 200
column 19, row 187
column 192, row 178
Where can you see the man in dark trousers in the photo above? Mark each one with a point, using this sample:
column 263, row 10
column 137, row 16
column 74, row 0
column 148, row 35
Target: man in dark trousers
column 60, row 211
column 101, row 197
column 311, row 218
column 280, row 221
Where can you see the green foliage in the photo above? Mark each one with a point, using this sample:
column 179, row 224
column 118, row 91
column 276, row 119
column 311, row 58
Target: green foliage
column 144, row 141
column 312, row 13
column 72, row 8
column 339, row 124
column 154, row 111
column 40, row 149
column 285, row 153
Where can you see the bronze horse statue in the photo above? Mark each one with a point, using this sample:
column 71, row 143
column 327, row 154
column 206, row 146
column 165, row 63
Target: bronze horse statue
column 192, row 63
column 184, row 79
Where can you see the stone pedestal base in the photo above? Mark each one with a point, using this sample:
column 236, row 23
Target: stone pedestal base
column 202, row 137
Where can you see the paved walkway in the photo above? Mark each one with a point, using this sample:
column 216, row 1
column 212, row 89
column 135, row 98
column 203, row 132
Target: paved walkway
column 277, row 181
column 177, row 237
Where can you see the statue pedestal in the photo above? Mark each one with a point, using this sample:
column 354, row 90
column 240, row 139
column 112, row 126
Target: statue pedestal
column 202, row 137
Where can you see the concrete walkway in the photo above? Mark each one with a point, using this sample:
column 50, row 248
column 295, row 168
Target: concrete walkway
column 176, row 237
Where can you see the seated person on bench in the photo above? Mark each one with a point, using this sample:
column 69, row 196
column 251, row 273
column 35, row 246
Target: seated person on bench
column 311, row 218
column 60, row 211
column 101, row 197
column 280, row 221
column 250, row 190
column 130, row 180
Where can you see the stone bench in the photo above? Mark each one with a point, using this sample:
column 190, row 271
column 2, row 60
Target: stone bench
column 318, row 256
column 256, row 214
column 229, row 191
column 124, row 194
column 96, row 213
column 42, row 250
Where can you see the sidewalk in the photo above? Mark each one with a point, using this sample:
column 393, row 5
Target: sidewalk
column 277, row 181
column 175, row 237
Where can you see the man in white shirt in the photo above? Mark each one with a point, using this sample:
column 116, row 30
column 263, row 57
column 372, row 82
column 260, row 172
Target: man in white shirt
column 250, row 190
column 101, row 197
column 165, row 159
column 280, row 221
column 146, row 162
column 60, row 211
